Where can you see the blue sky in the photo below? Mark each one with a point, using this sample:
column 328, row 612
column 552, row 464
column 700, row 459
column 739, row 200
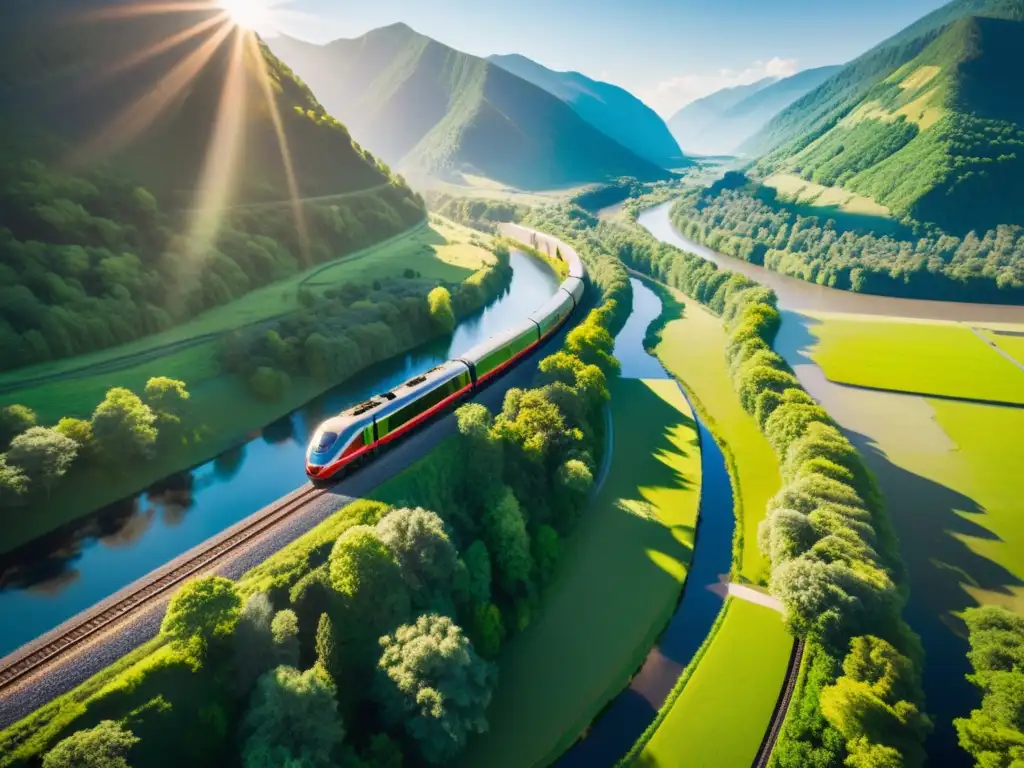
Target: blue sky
column 668, row 52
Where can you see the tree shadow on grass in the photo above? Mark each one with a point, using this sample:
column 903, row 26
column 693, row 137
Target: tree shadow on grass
column 625, row 718
column 932, row 522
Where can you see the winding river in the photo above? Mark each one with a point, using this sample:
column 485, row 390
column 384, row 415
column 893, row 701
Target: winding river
column 887, row 428
column 614, row 732
column 52, row 579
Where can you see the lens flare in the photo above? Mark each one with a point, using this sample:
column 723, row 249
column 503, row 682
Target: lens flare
column 250, row 14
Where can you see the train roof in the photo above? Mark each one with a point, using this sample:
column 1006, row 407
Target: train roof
column 498, row 340
column 381, row 404
column 560, row 299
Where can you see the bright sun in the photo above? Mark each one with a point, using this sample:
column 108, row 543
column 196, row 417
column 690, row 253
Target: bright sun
column 250, row 14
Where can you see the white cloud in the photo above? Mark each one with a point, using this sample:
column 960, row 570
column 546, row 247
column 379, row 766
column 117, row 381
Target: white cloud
column 671, row 95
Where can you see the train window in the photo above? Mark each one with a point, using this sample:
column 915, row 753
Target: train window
column 325, row 440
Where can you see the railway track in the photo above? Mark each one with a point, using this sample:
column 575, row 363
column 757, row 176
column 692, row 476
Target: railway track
column 77, row 634
column 781, row 706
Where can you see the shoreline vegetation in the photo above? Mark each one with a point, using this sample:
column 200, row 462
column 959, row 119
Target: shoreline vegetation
column 742, row 218
column 285, row 364
column 835, row 562
column 449, row 540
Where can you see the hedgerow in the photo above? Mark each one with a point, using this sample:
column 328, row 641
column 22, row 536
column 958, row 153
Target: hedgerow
column 835, row 559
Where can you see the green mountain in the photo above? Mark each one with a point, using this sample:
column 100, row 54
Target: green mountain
column 609, row 108
column 735, row 117
column 433, row 111
column 809, row 117
column 941, row 138
column 108, row 127
column 689, row 124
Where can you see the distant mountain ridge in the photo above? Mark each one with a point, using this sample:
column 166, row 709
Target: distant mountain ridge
column 613, row 110
column 820, row 109
column 722, row 122
column 431, row 110
column 940, row 138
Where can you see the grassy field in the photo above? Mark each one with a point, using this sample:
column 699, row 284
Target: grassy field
column 1010, row 342
column 617, row 585
column 814, row 195
column 483, row 187
column 930, row 358
column 692, row 350
column 720, row 717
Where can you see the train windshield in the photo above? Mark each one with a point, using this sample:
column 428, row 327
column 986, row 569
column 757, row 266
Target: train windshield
column 324, row 440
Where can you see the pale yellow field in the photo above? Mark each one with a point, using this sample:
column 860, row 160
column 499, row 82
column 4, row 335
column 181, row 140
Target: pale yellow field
column 794, row 188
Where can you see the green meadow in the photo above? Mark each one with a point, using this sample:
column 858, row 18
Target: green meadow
column 617, row 585
column 692, row 349
column 725, row 708
column 927, row 358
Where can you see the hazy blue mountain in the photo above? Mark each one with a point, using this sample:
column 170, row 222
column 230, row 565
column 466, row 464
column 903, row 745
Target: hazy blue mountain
column 431, row 110
column 732, row 118
column 690, row 123
column 613, row 110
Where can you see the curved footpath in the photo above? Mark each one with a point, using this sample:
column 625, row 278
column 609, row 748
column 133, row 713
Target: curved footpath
column 75, row 666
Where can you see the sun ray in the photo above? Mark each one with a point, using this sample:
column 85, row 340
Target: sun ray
column 218, row 174
column 152, row 51
column 136, row 118
column 263, row 75
column 133, row 10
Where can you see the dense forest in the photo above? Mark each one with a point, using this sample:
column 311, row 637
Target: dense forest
column 835, row 561
column 752, row 225
column 994, row 733
column 371, row 640
column 101, row 241
column 939, row 139
column 354, row 325
column 476, row 212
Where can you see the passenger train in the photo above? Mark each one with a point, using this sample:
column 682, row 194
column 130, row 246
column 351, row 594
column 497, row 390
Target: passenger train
column 345, row 440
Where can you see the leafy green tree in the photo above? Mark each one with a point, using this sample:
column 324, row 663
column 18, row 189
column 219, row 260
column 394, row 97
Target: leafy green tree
column 80, row 431
column 204, row 612
column 123, row 426
column 439, row 301
column 328, row 654
column 14, row 483
column 292, row 720
column 105, row 746
column 507, row 539
column 285, row 632
column 488, row 629
column 481, row 454
column 14, row 419
column 431, row 681
column 383, row 752
column 478, row 564
column 45, row 455
column 367, row 576
column 269, row 384
column 253, row 642
column 169, row 400
column 424, row 552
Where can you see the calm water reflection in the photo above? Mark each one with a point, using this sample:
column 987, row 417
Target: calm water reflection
column 52, row 579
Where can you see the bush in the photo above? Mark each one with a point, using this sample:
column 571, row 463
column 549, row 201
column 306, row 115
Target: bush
column 203, row 613
column 104, row 746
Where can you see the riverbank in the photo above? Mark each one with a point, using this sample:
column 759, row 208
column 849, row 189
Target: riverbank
column 950, row 495
column 223, row 412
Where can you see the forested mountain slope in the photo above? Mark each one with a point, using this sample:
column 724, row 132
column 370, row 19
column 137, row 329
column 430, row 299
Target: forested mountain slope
column 689, row 124
column 732, row 125
column 939, row 139
column 107, row 125
column 609, row 108
column 809, row 117
column 432, row 110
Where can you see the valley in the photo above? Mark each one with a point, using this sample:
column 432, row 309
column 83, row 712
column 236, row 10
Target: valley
column 539, row 385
